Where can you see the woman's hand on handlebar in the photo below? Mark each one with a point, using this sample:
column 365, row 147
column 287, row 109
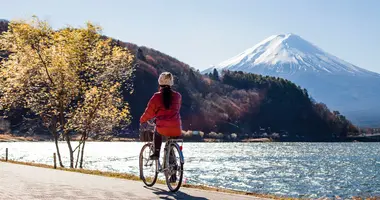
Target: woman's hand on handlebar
column 143, row 126
column 151, row 123
column 147, row 125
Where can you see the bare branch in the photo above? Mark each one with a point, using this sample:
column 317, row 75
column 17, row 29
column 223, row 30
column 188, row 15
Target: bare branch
column 45, row 65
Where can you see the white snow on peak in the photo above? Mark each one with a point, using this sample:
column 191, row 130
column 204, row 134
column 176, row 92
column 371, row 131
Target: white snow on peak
column 290, row 53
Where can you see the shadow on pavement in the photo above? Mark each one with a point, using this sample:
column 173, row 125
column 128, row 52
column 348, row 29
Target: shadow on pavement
column 163, row 194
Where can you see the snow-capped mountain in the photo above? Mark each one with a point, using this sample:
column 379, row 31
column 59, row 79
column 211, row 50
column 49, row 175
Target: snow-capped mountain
column 289, row 54
column 341, row 85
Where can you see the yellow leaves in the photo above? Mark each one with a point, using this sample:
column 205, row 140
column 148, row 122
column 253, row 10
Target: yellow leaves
column 72, row 66
column 34, row 33
column 93, row 28
column 101, row 110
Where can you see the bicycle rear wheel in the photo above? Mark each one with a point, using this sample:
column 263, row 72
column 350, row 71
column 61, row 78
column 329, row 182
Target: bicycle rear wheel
column 174, row 174
column 148, row 167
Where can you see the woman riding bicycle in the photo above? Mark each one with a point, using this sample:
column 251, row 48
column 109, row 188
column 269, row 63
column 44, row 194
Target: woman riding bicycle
column 164, row 106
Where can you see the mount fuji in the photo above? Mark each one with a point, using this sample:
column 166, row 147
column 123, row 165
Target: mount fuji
column 352, row 90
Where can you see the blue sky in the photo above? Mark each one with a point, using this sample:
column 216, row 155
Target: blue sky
column 206, row 32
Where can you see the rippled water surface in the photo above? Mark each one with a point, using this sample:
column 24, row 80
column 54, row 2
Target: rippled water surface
column 290, row 169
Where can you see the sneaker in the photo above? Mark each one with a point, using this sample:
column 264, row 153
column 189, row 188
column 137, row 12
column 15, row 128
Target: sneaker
column 173, row 178
column 154, row 156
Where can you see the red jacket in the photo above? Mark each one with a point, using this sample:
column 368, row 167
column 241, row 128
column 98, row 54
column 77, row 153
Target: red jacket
column 168, row 121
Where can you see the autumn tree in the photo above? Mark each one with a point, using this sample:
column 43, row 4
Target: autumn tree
column 70, row 78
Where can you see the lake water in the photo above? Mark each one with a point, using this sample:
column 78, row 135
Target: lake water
column 290, row 169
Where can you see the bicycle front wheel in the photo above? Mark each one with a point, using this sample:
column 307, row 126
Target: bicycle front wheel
column 148, row 167
column 174, row 174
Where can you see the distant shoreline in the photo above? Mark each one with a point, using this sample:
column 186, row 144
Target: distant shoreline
column 12, row 138
column 47, row 138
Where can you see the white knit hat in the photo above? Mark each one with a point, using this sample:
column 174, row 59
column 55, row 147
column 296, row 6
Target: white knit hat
column 166, row 78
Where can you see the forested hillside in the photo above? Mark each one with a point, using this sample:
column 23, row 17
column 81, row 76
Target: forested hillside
column 235, row 102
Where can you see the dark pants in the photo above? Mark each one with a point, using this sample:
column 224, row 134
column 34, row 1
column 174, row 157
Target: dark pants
column 157, row 142
column 157, row 146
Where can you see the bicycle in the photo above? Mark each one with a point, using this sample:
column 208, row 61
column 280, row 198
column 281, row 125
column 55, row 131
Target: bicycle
column 172, row 169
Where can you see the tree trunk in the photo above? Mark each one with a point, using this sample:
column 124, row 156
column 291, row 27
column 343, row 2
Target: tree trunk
column 76, row 162
column 82, row 153
column 52, row 126
column 57, row 147
column 67, row 136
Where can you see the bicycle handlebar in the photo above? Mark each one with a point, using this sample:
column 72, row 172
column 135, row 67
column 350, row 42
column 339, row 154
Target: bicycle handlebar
column 151, row 123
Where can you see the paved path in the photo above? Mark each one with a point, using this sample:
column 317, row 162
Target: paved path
column 26, row 182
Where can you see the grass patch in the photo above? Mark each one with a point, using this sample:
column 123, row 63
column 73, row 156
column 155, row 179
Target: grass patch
column 83, row 171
